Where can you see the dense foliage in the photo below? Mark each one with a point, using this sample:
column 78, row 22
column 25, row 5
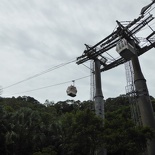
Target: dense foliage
column 68, row 128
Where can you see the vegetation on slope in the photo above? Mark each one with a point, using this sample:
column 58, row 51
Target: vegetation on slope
column 68, row 128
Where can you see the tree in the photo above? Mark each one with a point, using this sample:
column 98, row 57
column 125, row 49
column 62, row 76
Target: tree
column 4, row 127
column 69, row 127
column 82, row 133
column 122, row 136
column 26, row 132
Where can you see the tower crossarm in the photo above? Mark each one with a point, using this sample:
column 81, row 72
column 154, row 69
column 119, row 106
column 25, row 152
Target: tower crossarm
column 121, row 60
column 99, row 48
column 128, row 32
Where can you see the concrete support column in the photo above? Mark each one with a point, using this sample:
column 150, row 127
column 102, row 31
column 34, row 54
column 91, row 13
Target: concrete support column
column 144, row 103
column 99, row 102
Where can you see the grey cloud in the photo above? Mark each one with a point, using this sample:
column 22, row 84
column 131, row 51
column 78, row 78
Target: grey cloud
column 38, row 34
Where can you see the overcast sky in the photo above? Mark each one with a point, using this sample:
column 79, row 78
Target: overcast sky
column 36, row 35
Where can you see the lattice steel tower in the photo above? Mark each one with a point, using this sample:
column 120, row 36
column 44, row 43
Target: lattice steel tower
column 131, row 93
column 92, row 80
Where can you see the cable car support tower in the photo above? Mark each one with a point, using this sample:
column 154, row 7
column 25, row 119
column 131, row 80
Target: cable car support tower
column 129, row 47
column 131, row 93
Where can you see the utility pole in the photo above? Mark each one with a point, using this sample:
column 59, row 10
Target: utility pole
column 143, row 101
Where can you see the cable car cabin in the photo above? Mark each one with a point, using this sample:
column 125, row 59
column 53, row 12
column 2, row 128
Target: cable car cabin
column 125, row 49
column 71, row 91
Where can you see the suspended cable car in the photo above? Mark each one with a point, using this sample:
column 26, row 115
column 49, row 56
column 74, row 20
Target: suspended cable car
column 125, row 49
column 71, row 90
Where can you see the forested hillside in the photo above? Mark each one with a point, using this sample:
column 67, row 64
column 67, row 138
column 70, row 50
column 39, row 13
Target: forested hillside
column 70, row 127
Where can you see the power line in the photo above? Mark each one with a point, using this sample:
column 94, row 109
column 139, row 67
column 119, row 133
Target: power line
column 41, row 73
column 87, row 67
column 50, row 85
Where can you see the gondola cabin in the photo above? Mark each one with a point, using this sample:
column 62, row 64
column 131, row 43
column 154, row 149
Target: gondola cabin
column 71, row 91
column 125, row 49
